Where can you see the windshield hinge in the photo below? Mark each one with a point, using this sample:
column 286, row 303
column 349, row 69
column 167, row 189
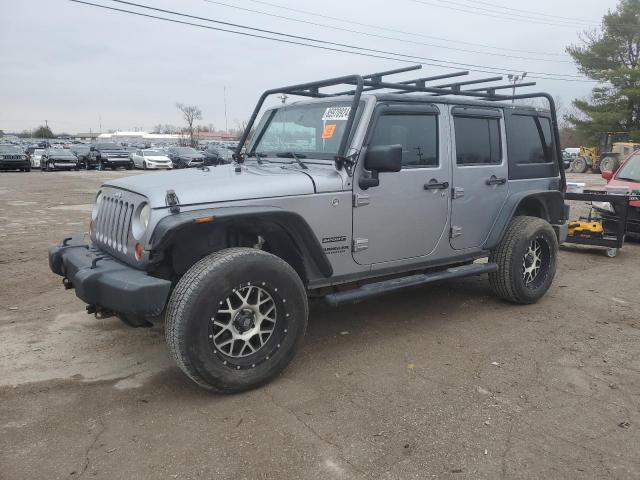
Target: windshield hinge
column 172, row 201
column 348, row 162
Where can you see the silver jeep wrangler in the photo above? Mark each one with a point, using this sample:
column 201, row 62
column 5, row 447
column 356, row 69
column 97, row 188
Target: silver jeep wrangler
column 344, row 196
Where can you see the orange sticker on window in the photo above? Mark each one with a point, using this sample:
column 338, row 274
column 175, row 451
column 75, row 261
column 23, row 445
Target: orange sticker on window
column 328, row 131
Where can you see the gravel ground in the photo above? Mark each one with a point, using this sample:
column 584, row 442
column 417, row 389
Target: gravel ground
column 441, row 382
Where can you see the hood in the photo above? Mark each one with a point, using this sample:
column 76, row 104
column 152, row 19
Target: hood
column 61, row 156
column 223, row 183
column 191, row 155
column 623, row 187
column 157, row 158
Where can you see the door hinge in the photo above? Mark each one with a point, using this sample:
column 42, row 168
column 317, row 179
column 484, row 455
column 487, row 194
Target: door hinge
column 456, row 231
column 457, row 192
column 360, row 244
column 360, row 199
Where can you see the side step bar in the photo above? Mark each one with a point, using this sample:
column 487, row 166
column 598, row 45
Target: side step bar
column 396, row 284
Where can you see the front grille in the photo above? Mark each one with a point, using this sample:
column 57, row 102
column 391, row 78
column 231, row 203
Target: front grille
column 13, row 157
column 112, row 225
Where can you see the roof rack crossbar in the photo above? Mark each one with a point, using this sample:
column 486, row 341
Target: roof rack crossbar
column 469, row 82
column 501, row 87
column 436, row 77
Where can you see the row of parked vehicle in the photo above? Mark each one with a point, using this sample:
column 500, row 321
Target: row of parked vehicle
column 111, row 155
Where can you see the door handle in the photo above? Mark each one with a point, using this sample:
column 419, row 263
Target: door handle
column 493, row 180
column 435, row 185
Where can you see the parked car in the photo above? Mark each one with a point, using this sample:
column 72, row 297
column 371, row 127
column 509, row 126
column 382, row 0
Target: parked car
column 58, row 159
column 625, row 180
column 82, row 154
column 390, row 192
column 217, row 155
column 150, row 159
column 185, row 157
column 36, row 157
column 109, row 155
column 14, row 158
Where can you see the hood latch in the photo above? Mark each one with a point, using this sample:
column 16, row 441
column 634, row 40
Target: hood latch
column 172, row 201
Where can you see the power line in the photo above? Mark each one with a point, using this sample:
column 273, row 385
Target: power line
column 375, row 53
column 530, row 12
column 475, row 10
column 324, row 25
column 414, row 34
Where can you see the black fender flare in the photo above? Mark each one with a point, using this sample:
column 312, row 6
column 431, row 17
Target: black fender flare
column 551, row 203
column 292, row 223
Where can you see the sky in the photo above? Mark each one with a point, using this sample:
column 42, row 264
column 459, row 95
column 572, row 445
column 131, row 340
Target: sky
column 84, row 69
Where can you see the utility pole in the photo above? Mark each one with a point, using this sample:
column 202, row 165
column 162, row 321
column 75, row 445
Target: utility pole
column 226, row 122
column 515, row 79
column 100, row 122
column 46, row 124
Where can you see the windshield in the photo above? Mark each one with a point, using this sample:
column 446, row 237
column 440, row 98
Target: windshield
column 10, row 150
column 183, row 150
column 630, row 170
column 152, row 153
column 312, row 129
column 109, row 146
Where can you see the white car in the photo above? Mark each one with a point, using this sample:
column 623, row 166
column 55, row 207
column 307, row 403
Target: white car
column 35, row 157
column 150, row 158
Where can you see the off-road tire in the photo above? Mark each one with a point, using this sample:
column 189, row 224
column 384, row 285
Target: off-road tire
column 579, row 165
column 609, row 163
column 196, row 301
column 508, row 282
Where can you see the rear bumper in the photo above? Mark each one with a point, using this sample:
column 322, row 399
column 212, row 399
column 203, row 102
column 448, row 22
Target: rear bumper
column 104, row 282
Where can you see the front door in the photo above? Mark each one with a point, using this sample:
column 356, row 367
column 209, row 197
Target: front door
column 480, row 171
column 406, row 214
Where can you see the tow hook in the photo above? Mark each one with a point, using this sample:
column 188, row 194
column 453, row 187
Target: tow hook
column 67, row 283
column 99, row 312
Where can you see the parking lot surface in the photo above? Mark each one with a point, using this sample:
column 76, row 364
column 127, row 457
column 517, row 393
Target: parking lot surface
column 441, row 382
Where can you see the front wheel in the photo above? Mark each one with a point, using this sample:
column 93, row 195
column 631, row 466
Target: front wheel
column 236, row 319
column 144, row 164
column 526, row 258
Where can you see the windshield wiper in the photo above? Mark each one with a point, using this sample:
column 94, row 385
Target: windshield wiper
column 295, row 156
column 625, row 179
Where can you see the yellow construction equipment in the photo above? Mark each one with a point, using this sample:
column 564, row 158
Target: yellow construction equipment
column 611, row 150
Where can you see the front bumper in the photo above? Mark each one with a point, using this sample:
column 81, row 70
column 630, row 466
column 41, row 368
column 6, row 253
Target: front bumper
column 14, row 164
column 106, row 283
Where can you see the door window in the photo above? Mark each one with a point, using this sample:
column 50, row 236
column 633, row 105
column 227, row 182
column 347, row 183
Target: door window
column 477, row 141
column 418, row 135
column 530, row 140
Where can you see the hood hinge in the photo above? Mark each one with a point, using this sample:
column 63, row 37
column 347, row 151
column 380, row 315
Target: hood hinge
column 172, row 201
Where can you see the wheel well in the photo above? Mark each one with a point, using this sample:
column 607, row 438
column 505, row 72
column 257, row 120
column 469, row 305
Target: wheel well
column 195, row 241
column 533, row 207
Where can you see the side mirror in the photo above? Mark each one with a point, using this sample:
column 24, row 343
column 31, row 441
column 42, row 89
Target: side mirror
column 607, row 175
column 381, row 159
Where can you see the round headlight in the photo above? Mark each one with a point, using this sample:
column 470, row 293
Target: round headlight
column 96, row 206
column 141, row 220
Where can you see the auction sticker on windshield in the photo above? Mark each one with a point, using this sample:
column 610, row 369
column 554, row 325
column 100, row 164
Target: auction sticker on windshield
column 329, row 130
column 336, row 113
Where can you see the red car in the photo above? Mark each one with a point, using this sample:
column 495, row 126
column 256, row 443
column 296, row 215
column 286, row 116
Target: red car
column 625, row 180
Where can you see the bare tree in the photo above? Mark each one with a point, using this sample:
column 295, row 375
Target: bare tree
column 191, row 113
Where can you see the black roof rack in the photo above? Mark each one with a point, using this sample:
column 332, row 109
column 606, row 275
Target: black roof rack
column 376, row 81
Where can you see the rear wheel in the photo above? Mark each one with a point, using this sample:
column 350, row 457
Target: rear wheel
column 526, row 259
column 579, row 165
column 236, row 319
column 609, row 163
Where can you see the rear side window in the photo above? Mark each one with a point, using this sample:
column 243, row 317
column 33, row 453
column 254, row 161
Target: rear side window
column 530, row 140
column 477, row 141
column 418, row 135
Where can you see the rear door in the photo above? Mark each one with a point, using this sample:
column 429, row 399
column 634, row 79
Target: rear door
column 480, row 172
